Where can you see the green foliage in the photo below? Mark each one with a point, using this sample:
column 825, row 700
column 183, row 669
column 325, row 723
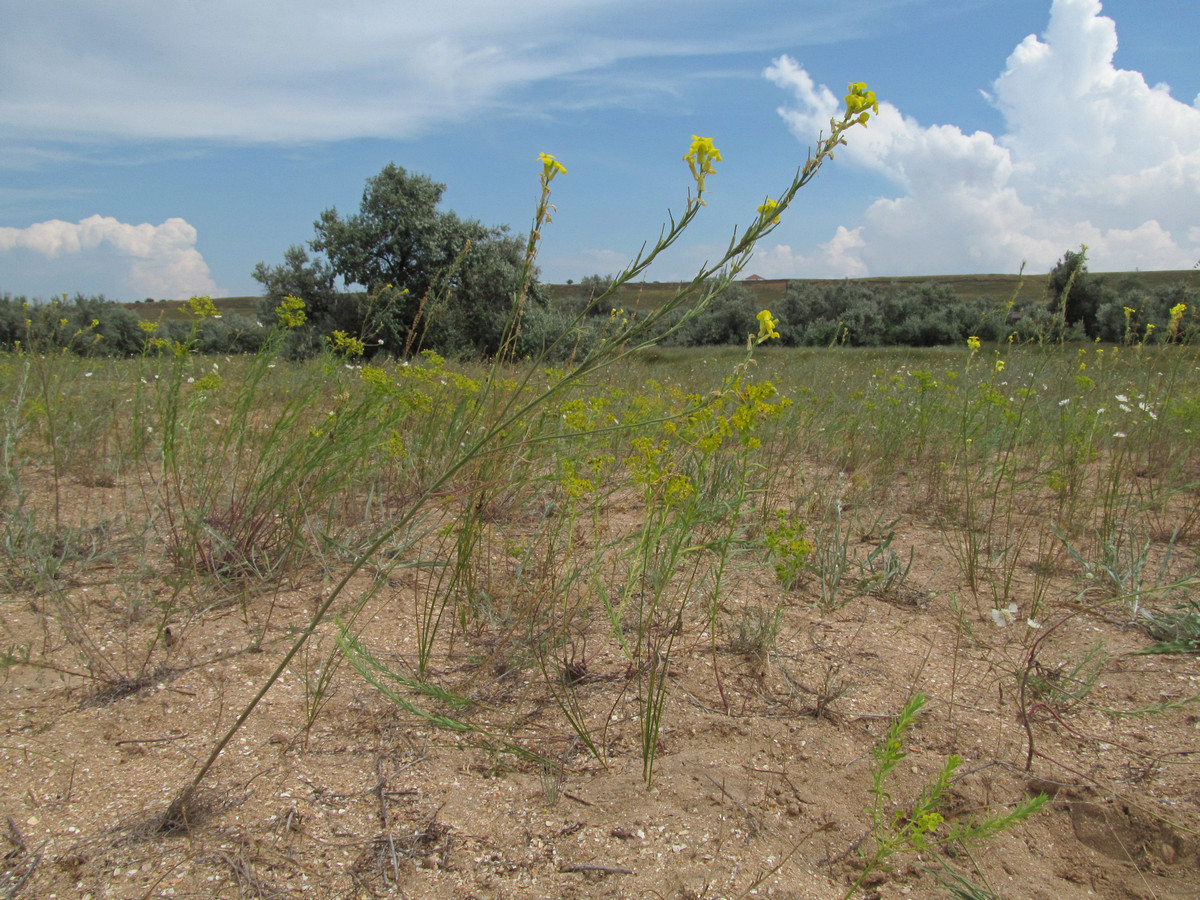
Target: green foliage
column 866, row 315
column 89, row 326
column 1150, row 321
column 728, row 318
column 313, row 281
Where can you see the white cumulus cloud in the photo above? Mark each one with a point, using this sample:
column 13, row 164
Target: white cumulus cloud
column 148, row 260
column 1090, row 154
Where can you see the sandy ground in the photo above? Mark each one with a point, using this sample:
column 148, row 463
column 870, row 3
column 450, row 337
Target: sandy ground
column 754, row 793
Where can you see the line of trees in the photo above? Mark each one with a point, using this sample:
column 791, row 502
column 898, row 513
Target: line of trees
column 433, row 280
column 1077, row 306
column 95, row 326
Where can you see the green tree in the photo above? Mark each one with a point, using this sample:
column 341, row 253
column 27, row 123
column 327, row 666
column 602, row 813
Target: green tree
column 1083, row 294
column 434, row 267
column 431, row 278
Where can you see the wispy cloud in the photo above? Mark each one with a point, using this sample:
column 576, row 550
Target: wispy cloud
column 144, row 260
column 304, row 71
column 1090, row 154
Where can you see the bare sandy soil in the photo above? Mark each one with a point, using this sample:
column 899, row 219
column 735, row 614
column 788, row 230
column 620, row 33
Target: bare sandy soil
column 761, row 780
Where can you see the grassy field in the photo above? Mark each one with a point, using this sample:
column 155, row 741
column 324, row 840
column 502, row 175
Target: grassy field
column 829, row 623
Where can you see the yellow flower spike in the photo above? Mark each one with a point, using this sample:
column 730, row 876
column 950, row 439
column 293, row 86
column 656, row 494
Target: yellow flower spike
column 766, row 326
column 700, row 158
column 1177, row 312
column 769, row 206
column 550, row 167
column 973, row 343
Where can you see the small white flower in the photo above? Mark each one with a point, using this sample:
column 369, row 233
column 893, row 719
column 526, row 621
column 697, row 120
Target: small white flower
column 1064, row 401
column 1005, row 616
column 1119, row 434
column 1122, row 398
column 1032, row 624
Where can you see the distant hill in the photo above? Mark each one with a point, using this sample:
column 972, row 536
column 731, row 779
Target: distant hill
column 999, row 287
column 650, row 294
column 177, row 309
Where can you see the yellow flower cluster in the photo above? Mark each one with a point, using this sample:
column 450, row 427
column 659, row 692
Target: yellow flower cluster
column 291, row 312
column 550, row 167
column 736, row 411
column 417, row 385
column 860, row 102
column 201, row 308
column 349, row 347
column 700, row 158
column 579, row 481
column 652, row 467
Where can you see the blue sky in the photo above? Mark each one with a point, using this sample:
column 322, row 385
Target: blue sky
column 156, row 148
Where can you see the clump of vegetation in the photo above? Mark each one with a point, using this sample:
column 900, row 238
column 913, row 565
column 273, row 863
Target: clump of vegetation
column 922, row 827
